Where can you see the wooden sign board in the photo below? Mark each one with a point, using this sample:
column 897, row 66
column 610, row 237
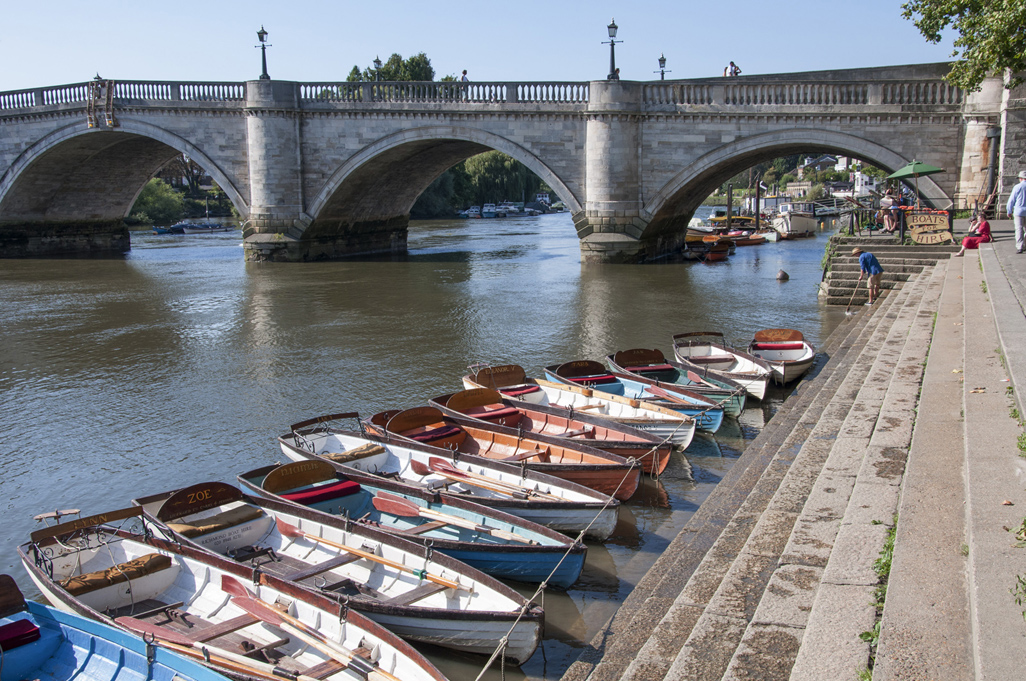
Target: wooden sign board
column 929, row 228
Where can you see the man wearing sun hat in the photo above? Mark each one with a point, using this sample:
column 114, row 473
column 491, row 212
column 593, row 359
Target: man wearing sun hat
column 1017, row 211
column 869, row 265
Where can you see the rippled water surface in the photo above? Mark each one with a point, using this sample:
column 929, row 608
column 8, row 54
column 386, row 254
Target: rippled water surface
column 182, row 363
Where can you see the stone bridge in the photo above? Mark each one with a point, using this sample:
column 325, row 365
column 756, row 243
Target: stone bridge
column 328, row 170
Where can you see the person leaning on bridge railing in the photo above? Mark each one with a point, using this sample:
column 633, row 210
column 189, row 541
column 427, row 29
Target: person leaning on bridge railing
column 1016, row 210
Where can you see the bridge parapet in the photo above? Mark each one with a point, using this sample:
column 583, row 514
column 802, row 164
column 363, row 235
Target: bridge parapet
column 447, row 92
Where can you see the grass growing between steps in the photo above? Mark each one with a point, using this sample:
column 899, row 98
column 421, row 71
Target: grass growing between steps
column 882, row 568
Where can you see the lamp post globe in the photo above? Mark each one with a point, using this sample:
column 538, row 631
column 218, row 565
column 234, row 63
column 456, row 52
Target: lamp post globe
column 662, row 67
column 377, row 68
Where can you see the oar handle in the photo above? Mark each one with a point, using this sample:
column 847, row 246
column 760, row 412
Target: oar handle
column 471, row 525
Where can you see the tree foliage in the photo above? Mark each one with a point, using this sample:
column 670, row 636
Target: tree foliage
column 396, row 69
column 991, row 36
column 183, row 170
column 158, row 203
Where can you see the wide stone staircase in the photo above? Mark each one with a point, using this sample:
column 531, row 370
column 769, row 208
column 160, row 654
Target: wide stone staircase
column 841, row 284
column 773, row 577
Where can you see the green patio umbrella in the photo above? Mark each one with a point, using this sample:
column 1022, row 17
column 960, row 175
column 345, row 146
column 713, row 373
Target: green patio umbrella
column 914, row 170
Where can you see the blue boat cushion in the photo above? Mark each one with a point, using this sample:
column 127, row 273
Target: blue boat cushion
column 18, row 633
column 777, row 346
column 221, row 521
column 435, row 434
column 597, row 379
column 520, row 390
column 122, row 572
column 312, row 495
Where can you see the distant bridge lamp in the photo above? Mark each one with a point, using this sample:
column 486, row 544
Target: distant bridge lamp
column 662, row 67
column 377, row 68
column 613, row 75
column 262, row 37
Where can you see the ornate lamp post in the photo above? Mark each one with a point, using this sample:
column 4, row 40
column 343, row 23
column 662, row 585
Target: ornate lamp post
column 377, row 68
column 662, row 68
column 262, row 36
column 613, row 75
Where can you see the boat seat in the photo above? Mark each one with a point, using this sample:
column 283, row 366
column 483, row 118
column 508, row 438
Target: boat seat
column 645, row 368
column 708, row 359
column 221, row 521
column 426, row 527
column 312, row 495
column 423, row 591
column 529, row 454
column 330, row 564
column 519, row 390
column 122, row 572
column 493, row 414
column 580, row 431
column 221, row 629
column 777, row 346
column 597, row 379
column 435, row 434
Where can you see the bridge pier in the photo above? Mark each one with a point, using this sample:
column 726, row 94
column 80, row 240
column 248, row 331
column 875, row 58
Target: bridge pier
column 613, row 219
column 83, row 238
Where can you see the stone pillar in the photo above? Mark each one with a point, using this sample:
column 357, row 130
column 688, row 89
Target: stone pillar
column 276, row 214
column 1013, row 142
column 612, row 222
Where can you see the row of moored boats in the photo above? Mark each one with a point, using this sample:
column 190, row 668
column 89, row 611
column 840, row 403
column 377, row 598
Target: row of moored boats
column 379, row 532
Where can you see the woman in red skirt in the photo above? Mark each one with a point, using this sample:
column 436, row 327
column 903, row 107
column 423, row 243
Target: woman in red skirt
column 979, row 233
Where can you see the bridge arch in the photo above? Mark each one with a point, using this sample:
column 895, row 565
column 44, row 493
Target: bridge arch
column 677, row 200
column 101, row 167
column 426, row 152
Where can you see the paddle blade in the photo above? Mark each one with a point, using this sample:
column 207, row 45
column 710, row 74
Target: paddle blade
column 390, row 503
column 287, row 530
column 419, row 468
column 234, row 587
column 141, row 627
column 443, row 465
column 692, row 376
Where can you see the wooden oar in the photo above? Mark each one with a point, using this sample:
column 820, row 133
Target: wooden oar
column 490, row 484
column 212, row 655
column 390, row 503
column 692, row 376
column 294, row 532
column 659, row 392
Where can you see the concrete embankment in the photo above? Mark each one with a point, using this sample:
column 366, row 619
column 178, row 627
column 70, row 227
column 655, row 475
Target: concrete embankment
column 906, row 419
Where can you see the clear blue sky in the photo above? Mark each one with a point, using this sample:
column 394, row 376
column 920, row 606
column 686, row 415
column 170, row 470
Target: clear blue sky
column 52, row 42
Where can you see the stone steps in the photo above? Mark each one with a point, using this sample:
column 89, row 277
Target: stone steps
column 645, row 621
column 752, row 625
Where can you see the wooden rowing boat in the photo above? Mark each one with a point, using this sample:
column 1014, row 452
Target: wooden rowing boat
column 786, row 351
column 490, row 406
column 251, row 625
column 572, row 461
column 512, row 382
column 653, row 365
column 707, row 414
column 709, row 355
column 41, row 642
column 543, row 499
column 495, row 543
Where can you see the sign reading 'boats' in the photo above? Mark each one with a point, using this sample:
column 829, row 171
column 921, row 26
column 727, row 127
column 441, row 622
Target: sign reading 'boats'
column 929, row 228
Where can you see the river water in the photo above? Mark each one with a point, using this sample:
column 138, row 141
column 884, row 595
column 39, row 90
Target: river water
column 181, row 363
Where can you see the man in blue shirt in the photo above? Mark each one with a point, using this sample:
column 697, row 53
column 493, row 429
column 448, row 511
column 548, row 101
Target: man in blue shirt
column 869, row 265
column 1016, row 209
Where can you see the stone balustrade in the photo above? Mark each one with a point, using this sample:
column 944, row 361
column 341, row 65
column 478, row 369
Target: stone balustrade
column 720, row 92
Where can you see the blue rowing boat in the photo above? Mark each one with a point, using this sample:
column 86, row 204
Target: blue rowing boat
column 590, row 374
column 45, row 644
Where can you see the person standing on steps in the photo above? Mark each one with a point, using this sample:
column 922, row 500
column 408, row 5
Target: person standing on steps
column 1016, row 210
column 869, row 266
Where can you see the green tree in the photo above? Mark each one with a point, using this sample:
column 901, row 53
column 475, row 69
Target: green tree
column 396, row 69
column 991, row 36
column 497, row 177
column 159, row 203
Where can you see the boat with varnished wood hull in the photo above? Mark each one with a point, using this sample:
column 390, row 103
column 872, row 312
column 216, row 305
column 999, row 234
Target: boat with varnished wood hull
column 707, row 352
column 575, row 462
column 490, row 406
column 512, row 381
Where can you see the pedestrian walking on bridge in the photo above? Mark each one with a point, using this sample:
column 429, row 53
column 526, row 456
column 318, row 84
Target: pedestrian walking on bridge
column 1016, row 210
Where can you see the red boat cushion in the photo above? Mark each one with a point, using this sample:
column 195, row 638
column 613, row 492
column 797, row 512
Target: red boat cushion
column 493, row 414
column 520, row 390
column 312, row 495
column 777, row 346
column 651, row 367
column 435, row 434
column 18, row 633
column 598, row 379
